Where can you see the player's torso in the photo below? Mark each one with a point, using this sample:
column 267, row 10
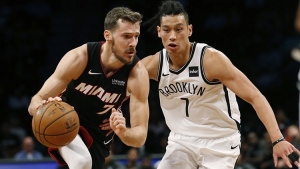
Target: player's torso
column 191, row 104
column 93, row 94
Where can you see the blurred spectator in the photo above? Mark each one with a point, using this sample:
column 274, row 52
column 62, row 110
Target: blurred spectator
column 28, row 151
column 146, row 162
column 282, row 120
column 253, row 154
column 111, row 163
column 293, row 135
column 9, row 142
column 16, row 128
column 132, row 159
column 267, row 152
column 18, row 100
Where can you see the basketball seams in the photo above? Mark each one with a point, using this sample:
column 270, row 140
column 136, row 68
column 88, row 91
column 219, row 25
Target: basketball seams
column 39, row 125
column 56, row 120
column 61, row 118
column 42, row 133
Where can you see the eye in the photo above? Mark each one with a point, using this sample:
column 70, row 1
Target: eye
column 178, row 29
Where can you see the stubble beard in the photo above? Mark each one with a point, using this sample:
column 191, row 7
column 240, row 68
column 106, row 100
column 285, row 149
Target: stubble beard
column 117, row 54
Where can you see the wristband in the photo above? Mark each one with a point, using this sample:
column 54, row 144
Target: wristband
column 277, row 141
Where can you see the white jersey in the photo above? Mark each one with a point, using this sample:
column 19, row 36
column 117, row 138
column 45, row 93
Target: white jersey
column 191, row 104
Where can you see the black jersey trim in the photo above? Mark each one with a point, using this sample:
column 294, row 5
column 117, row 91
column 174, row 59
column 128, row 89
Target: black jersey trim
column 160, row 65
column 190, row 59
column 202, row 68
column 229, row 108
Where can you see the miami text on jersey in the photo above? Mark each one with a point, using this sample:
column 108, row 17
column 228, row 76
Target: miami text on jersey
column 98, row 91
column 182, row 87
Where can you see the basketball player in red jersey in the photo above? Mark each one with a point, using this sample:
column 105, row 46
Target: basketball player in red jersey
column 197, row 88
column 98, row 78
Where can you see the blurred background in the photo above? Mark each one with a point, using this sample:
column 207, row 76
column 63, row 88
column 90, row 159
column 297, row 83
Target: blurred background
column 256, row 35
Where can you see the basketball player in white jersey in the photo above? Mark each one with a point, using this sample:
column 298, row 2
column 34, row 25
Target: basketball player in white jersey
column 197, row 88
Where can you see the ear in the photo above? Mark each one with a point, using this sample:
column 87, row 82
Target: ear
column 190, row 29
column 107, row 35
column 158, row 31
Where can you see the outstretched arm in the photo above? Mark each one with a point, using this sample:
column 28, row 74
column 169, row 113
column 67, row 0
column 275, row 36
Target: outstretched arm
column 70, row 67
column 237, row 82
column 138, row 87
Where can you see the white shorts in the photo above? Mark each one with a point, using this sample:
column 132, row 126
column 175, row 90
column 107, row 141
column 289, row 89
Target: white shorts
column 188, row 152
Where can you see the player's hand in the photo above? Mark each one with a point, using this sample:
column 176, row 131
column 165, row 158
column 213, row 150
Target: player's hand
column 105, row 125
column 283, row 149
column 50, row 99
column 117, row 122
column 37, row 105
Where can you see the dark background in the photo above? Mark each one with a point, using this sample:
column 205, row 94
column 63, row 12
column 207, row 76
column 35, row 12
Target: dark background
column 256, row 35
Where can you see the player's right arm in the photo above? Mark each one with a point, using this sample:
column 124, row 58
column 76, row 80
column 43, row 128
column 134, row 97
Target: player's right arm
column 151, row 65
column 70, row 67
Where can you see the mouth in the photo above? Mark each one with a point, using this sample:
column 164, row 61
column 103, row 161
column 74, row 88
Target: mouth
column 131, row 52
column 172, row 46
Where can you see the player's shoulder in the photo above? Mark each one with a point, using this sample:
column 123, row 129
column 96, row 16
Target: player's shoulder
column 151, row 60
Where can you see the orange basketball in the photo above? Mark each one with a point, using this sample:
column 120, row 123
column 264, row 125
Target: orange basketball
column 55, row 124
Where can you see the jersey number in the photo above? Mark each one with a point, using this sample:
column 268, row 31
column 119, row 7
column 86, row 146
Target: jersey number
column 106, row 107
column 186, row 106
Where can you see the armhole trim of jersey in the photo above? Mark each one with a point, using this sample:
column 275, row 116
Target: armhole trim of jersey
column 229, row 108
column 202, row 68
column 160, row 65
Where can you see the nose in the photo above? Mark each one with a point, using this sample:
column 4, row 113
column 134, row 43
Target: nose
column 133, row 42
column 172, row 35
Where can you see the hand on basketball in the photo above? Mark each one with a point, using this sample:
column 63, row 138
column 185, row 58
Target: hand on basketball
column 283, row 150
column 37, row 104
column 117, row 122
column 50, row 99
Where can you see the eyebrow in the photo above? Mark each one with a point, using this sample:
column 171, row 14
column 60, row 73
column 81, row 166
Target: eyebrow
column 133, row 33
column 179, row 24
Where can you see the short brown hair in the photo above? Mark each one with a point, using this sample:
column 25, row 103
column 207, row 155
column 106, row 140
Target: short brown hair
column 110, row 22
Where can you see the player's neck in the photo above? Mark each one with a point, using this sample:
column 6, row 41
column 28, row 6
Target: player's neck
column 178, row 60
column 108, row 60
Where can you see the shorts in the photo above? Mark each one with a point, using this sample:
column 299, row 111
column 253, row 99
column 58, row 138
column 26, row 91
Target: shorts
column 98, row 151
column 197, row 153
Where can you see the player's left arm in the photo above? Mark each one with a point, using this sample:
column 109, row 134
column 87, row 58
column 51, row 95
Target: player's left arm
column 218, row 66
column 138, row 87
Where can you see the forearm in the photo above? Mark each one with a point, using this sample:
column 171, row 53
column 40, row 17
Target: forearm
column 134, row 137
column 267, row 117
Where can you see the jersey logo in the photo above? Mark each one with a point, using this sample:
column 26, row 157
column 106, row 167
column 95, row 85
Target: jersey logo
column 193, row 71
column 118, row 82
column 233, row 147
column 92, row 73
column 163, row 74
column 107, row 142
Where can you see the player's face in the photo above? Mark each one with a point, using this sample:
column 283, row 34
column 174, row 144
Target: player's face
column 124, row 41
column 174, row 33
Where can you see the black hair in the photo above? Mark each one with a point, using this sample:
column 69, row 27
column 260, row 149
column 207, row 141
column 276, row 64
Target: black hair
column 169, row 7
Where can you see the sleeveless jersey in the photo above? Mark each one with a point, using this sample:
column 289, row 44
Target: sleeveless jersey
column 191, row 104
column 93, row 94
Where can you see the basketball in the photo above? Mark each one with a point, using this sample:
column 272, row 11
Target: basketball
column 55, row 124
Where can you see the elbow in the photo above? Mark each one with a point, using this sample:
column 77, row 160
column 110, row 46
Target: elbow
column 140, row 143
